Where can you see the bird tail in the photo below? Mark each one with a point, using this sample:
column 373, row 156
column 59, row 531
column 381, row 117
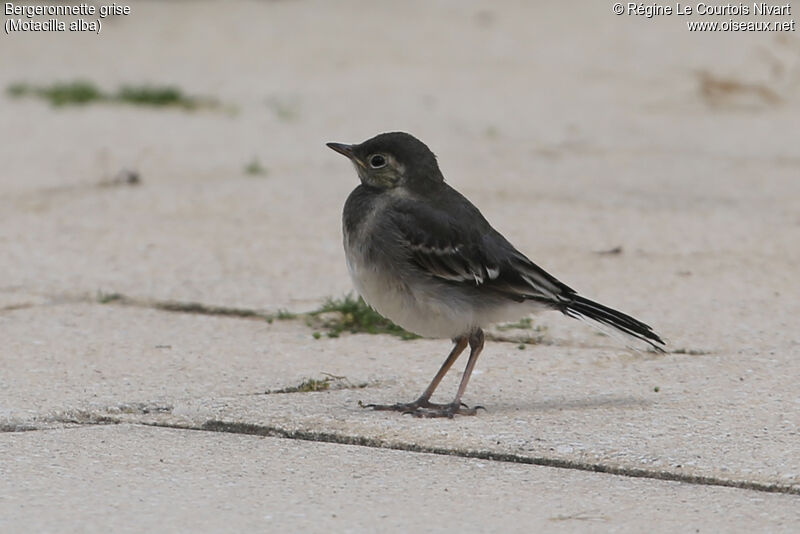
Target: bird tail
column 583, row 308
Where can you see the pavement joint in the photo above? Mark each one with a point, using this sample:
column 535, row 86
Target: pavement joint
column 78, row 417
column 90, row 418
column 199, row 308
column 196, row 308
column 362, row 441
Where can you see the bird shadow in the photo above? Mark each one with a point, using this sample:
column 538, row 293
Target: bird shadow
column 575, row 404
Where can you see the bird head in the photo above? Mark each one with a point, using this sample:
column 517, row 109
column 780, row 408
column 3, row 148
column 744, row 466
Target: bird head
column 391, row 160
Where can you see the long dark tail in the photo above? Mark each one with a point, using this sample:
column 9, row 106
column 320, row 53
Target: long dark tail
column 582, row 308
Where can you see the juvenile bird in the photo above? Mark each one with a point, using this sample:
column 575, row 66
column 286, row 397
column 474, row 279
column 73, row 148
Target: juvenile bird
column 422, row 255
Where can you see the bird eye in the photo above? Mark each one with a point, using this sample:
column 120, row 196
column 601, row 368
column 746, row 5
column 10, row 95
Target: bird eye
column 377, row 161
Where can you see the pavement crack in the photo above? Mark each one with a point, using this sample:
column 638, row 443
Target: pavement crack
column 17, row 306
column 139, row 408
column 214, row 425
column 182, row 307
column 74, row 417
column 17, row 427
column 334, row 320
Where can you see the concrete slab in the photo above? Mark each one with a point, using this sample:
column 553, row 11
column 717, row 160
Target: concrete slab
column 130, row 479
column 584, row 150
column 725, row 415
column 574, row 130
column 588, row 408
column 67, row 358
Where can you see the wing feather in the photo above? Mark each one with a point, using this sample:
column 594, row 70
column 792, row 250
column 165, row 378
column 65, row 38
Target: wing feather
column 455, row 244
column 467, row 250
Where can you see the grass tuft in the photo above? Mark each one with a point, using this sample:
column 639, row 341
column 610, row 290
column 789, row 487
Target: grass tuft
column 78, row 92
column 106, row 298
column 82, row 92
column 158, row 96
column 254, row 168
column 351, row 314
column 314, row 384
column 330, row 382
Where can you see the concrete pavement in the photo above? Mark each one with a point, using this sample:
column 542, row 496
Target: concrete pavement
column 128, row 417
column 132, row 478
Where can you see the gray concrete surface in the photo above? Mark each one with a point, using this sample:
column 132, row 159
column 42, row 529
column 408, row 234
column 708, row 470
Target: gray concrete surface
column 594, row 405
column 574, row 130
column 133, row 478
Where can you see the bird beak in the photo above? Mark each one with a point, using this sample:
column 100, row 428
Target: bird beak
column 347, row 150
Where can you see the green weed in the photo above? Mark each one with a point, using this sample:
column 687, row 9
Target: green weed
column 350, row 314
column 82, row 92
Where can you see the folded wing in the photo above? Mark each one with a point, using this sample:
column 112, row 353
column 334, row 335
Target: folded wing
column 458, row 246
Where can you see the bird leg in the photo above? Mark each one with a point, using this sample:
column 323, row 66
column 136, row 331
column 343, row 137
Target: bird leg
column 423, row 407
column 424, row 400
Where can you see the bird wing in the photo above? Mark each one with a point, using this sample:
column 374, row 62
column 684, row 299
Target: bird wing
column 459, row 246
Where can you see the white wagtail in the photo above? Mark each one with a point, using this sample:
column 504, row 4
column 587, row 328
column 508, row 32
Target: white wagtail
column 422, row 255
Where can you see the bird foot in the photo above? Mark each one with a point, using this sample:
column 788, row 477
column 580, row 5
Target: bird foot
column 426, row 409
